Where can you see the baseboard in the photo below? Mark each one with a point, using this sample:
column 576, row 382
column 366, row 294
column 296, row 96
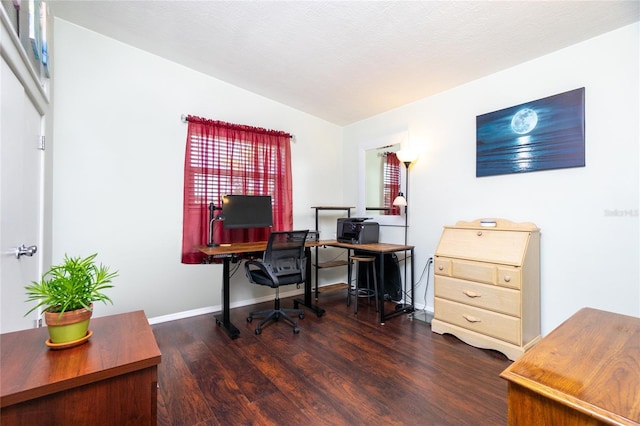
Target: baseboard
column 422, row 313
column 184, row 314
column 218, row 308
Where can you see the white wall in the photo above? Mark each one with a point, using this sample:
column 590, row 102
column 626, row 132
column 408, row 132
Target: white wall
column 589, row 257
column 119, row 147
column 118, row 153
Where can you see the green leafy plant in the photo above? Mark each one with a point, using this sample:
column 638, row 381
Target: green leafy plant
column 74, row 284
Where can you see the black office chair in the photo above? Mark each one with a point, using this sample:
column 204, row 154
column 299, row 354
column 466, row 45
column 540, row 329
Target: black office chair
column 283, row 263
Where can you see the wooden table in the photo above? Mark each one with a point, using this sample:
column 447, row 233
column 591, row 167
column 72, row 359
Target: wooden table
column 379, row 250
column 585, row 372
column 110, row 380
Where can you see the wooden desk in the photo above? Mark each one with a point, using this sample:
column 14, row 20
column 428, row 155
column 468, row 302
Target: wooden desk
column 230, row 252
column 585, row 372
column 110, row 380
column 380, row 249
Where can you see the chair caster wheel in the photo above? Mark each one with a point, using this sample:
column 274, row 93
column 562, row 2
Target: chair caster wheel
column 218, row 321
column 301, row 316
column 249, row 319
column 258, row 330
column 296, row 330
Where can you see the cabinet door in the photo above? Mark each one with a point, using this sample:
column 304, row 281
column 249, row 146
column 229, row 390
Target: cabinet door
column 442, row 266
column 510, row 276
column 506, row 247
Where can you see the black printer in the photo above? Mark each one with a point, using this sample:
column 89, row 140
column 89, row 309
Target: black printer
column 355, row 230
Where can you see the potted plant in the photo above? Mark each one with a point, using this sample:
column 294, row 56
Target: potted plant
column 67, row 292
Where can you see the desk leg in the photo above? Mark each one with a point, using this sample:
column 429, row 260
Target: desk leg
column 224, row 319
column 307, row 302
column 413, row 282
column 315, row 270
column 381, row 287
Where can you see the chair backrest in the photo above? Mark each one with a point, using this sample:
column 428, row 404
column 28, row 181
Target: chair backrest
column 284, row 255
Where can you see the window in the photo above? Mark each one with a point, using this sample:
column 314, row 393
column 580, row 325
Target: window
column 391, row 182
column 223, row 158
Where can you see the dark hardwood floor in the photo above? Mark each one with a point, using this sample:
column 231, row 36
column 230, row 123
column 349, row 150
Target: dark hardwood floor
column 341, row 369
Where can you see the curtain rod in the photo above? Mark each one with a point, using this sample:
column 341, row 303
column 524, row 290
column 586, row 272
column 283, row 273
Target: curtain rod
column 185, row 119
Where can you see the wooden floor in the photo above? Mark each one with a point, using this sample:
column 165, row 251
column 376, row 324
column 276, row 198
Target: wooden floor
column 340, row 370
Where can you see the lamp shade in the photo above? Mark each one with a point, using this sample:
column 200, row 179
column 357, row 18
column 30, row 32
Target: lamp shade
column 400, row 200
column 406, row 156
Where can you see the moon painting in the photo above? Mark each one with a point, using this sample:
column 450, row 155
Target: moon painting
column 540, row 135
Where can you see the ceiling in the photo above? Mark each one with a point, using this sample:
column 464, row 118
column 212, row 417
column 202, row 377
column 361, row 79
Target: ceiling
column 344, row 61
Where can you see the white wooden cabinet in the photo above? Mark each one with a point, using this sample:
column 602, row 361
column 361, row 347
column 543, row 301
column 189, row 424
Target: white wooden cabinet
column 487, row 285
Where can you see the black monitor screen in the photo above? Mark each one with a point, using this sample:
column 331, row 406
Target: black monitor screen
column 247, row 211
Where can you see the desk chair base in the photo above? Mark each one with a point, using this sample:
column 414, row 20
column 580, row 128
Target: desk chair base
column 276, row 314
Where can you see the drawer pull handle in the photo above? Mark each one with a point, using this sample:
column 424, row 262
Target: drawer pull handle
column 471, row 319
column 471, row 294
column 479, row 234
column 507, row 278
column 440, row 268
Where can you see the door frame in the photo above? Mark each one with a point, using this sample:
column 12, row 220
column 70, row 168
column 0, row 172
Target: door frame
column 37, row 89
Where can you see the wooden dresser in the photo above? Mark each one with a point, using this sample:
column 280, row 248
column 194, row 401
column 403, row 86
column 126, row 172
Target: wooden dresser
column 487, row 285
column 110, row 380
column 585, row 372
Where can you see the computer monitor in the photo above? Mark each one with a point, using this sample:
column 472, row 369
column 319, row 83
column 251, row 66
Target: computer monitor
column 247, row 211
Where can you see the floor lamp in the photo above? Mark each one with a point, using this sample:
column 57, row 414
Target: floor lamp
column 407, row 158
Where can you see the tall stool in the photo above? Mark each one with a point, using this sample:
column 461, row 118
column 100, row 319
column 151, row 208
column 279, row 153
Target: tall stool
column 357, row 291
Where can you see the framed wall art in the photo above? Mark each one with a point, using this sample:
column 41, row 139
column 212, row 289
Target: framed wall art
column 544, row 134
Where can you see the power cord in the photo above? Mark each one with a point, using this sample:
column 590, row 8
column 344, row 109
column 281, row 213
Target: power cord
column 235, row 269
column 428, row 269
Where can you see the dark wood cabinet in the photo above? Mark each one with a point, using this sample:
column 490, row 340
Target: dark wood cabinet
column 111, row 379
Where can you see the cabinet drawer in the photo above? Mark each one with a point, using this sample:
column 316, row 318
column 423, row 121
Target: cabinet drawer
column 506, row 247
column 442, row 266
column 500, row 326
column 474, row 271
column 491, row 297
column 510, row 276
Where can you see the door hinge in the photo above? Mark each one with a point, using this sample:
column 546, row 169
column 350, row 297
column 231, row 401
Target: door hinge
column 41, row 144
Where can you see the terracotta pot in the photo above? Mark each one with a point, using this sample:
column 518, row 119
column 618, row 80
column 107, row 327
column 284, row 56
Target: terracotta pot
column 69, row 327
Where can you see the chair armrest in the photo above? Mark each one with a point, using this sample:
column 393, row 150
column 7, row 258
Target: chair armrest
column 261, row 266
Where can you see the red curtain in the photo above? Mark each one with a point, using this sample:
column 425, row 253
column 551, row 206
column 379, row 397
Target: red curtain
column 391, row 181
column 223, row 158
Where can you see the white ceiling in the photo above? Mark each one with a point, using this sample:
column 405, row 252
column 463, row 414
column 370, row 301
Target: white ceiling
column 344, row 61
